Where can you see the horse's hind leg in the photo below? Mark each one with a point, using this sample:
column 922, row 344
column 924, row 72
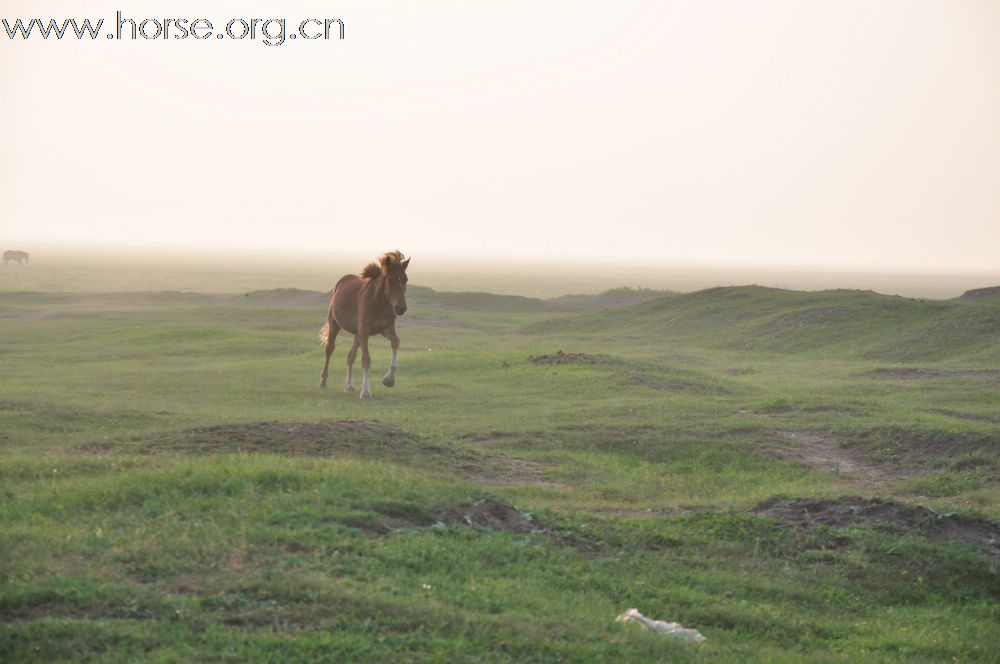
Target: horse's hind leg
column 351, row 354
column 390, row 377
column 331, row 337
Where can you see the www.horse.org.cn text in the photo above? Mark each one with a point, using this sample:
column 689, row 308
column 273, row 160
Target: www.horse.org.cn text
column 268, row 31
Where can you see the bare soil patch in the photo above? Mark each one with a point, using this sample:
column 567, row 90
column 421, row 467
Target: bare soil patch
column 560, row 357
column 916, row 373
column 823, row 451
column 489, row 515
column 811, row 513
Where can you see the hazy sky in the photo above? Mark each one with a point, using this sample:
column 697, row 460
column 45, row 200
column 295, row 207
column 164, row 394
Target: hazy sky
column 847, row 134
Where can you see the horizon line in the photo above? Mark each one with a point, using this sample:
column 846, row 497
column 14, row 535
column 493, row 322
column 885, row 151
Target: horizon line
column 491, row 260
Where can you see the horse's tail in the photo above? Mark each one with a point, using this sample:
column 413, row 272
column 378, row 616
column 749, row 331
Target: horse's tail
column 324, row 334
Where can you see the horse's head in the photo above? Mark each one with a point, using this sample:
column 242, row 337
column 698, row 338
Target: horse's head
column 394, row 269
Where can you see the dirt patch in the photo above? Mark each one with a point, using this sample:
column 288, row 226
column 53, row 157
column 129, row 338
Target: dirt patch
column 916, row 373
column 811, row 513
column 489, row 515
column 822, row 451
column 560, row 357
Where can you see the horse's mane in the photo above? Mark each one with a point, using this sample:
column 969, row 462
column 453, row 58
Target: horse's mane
column 385, row 261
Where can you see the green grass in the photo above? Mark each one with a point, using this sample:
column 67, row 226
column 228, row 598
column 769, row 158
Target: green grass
column 143, row 518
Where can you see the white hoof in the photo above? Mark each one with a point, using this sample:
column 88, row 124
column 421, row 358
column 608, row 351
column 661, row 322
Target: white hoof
column 366, row 396
column 349, row 387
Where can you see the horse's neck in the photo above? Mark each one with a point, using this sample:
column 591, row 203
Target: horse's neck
column 377, row 298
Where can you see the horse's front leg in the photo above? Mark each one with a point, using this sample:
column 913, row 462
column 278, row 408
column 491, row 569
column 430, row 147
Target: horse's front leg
column 366, row 364
column 351, row 354
column 390, row 378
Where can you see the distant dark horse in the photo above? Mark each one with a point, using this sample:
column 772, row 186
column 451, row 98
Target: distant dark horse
column 364, row 305
column 13, row 255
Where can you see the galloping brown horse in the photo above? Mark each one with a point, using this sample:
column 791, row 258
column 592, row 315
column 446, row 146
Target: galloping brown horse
column 364, row 305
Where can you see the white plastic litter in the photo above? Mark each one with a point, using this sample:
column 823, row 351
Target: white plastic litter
column 671, row 628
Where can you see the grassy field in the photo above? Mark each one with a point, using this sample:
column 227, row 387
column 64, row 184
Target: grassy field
column 173, row 485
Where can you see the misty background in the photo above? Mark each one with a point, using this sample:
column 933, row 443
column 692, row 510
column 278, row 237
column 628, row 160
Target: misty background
column 661, row 144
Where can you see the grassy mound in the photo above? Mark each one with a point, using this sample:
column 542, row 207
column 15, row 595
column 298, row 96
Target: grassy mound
column 858, row 324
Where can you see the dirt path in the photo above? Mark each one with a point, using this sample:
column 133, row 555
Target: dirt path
column 822, row 451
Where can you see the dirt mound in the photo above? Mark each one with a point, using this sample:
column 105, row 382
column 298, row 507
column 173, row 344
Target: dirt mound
column 811, row 513
column 560, row 357
column 916, row 373
column 489, row 515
